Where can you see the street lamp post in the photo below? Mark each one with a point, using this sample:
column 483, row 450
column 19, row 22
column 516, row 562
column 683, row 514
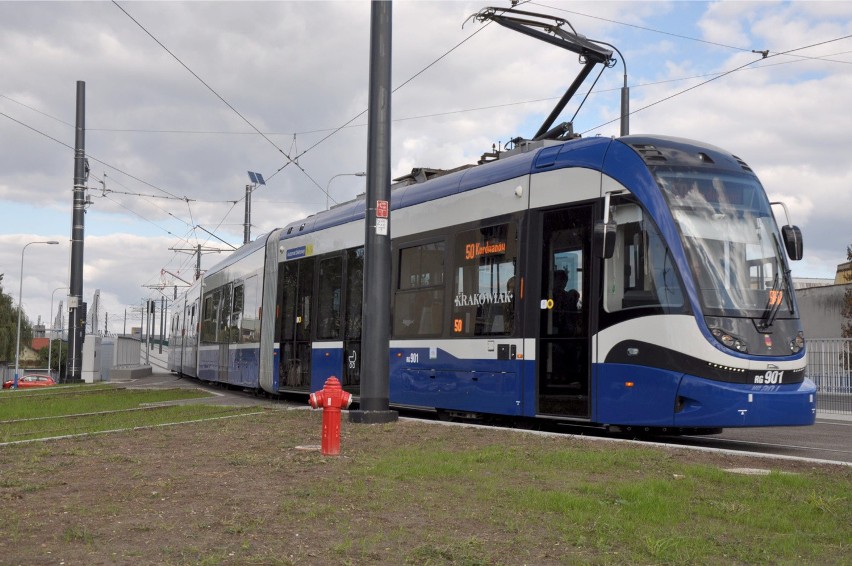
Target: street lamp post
column 50, row 341
column 327, row 187
column 20, row 300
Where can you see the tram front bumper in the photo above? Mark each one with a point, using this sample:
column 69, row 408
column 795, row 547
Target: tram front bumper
column 705, row 403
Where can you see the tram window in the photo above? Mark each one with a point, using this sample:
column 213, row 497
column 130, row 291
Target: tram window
column 289, row 277
column 237, row 312
column 484, row 291
column 217, row 315
column 642, row 272
column 224, row 317
column 192, row 329
column 419, row 298
column 304, row 314
column 331, row 277
column 208, row 321
column 354, row 292
column 250, row 324
column 421, row 266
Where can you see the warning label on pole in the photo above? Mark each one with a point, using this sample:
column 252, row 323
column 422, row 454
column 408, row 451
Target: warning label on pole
column 381, row 226
column 382, row 209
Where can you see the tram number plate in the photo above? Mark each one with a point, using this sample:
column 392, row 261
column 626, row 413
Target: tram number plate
column 771, row 377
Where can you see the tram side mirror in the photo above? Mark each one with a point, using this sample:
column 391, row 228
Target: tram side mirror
column 604, row 239
column 792, row 241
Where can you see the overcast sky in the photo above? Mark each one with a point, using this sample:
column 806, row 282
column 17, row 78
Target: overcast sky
column 168, row 153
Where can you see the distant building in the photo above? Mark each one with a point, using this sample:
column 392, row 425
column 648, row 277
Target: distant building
column 809, row 282
column 39, row 330
column 820, row 305
column 28, row 358
column 844, row 273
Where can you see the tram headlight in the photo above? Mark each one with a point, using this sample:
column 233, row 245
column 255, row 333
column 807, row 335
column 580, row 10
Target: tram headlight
column 729, row 340
column 797, row 343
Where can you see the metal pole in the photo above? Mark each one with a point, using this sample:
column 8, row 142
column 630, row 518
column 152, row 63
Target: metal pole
column 375, row 397
column 198, row 263
column 625, row 106
column 148, row 305
column 162, row 313
column 50, row 341
column 247, row 229
column 20, row 296
column 20, row 300
column 77, row 233
column 59, row 353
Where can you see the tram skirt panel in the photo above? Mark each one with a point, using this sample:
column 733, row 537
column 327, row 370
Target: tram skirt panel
column 635, row 395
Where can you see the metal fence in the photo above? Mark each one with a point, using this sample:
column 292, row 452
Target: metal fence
column 127, row 351
column 830, row 367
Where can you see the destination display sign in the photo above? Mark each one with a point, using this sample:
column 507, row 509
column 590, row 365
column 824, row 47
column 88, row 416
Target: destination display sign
column 478, row 249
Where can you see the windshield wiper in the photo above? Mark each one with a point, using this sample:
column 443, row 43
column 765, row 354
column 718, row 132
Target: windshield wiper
column 773, row 305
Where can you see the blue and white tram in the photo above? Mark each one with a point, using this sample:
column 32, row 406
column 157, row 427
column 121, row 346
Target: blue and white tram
column 637, row 281
column 183, row 332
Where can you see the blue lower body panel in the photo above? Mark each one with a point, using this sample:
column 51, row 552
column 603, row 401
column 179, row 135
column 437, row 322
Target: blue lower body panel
column 634, row 395
column 325, row 363
column 644, row 396
column 245, row 367
column 710, row 403
column 234, row 366
column 208, row 365
column 475, row 391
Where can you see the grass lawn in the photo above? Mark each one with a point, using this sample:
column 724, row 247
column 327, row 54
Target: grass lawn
column 246, row 490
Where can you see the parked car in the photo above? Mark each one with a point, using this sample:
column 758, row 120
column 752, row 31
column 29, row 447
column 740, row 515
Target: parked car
column 30, row 380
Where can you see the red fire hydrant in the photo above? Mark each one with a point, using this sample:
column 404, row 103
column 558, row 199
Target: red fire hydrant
column 332, row 399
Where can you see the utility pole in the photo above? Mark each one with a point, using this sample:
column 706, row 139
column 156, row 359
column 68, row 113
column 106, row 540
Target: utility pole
column 77, row 309
column 375, row 386
column 198, row 250
column 247, row 227
column 162, row 315
column 256, row 179
column 149, row 316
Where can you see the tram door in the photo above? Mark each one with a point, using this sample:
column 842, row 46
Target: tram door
column 223, row 334
column 565, row 303
column 352, row 327
column 297, row 280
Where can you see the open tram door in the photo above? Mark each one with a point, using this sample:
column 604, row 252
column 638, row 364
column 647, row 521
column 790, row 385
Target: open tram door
column 566, row 300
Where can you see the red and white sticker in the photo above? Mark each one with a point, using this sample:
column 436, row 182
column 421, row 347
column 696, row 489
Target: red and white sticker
column 382, row 209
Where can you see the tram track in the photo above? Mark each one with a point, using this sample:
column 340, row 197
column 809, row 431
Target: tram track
column 747, row 445
column 825, row 440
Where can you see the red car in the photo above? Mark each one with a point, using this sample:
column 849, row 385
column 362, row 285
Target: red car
column 30, row 380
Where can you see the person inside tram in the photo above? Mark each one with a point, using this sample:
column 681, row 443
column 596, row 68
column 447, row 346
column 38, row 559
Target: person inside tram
column 565, row 303
column 509, row 307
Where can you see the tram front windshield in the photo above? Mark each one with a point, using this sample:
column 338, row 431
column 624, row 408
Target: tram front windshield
column 731, row 240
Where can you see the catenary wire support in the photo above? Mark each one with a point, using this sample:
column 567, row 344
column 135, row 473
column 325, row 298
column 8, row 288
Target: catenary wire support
column 77, row 308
